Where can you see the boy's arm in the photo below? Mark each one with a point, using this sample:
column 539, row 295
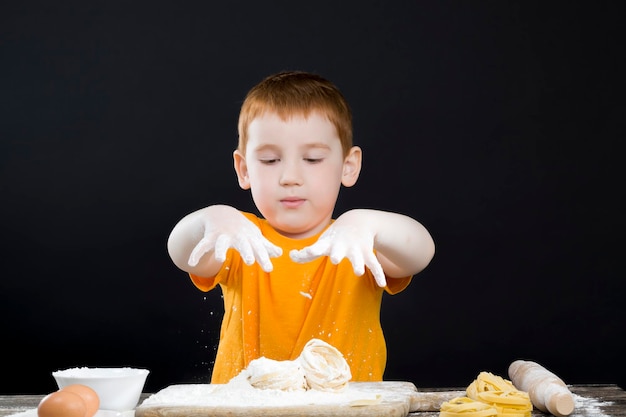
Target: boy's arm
column 199, row 241
column 403, row 245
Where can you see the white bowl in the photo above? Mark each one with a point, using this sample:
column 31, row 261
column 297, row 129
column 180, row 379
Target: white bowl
column 119, row 389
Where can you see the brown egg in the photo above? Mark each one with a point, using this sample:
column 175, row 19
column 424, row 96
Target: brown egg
column 61, row 404
column 89, row 396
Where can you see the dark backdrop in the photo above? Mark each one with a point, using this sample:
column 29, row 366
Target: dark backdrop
column 494, row 123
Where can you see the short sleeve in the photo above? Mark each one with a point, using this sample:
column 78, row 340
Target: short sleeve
column 396, row 285
column 202, row 283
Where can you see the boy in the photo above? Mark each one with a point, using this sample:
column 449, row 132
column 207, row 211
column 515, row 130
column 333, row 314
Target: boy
column 297, row 274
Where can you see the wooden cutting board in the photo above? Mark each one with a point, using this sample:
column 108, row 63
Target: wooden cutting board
column 361, row 399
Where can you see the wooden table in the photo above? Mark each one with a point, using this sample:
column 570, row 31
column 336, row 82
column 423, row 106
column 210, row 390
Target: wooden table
column 591, row 401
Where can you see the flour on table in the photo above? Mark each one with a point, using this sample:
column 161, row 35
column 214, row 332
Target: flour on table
column 238, row 393
column 319, row 376
column 99, row 413
column 585, row 407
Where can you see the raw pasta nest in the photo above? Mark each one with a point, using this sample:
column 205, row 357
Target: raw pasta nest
column 501, row 394
column 320, row 366
column 486, row 381
column 324, row 366
column 466, row 407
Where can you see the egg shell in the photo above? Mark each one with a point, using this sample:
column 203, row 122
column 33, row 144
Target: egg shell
column 89, row 396
column 61, row 404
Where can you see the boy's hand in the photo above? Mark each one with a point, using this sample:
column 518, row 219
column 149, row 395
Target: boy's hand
column 345, row 239
column 237, row 232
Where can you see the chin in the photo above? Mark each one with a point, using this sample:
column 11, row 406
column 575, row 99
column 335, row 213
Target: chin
column 297, row 225
column 293, row 231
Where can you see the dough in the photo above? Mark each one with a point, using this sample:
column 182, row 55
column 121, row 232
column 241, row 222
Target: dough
column 320, row 366
column 267, row 373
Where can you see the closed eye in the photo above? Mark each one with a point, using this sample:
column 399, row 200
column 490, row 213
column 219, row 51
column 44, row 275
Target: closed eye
column 270, row 161
column 314, row 160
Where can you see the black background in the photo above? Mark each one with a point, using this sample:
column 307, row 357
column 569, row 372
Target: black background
column 494, row 123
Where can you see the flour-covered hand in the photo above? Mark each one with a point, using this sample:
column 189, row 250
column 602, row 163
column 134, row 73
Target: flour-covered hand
column 345, row 238
column 234, row 230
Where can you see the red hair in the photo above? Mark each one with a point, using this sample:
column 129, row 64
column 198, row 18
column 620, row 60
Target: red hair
column 291, row 93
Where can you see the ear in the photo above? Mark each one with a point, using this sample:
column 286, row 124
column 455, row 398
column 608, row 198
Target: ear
column 351, row 167
column 241, row 168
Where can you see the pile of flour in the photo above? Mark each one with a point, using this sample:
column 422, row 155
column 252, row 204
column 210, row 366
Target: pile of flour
column 239, row 393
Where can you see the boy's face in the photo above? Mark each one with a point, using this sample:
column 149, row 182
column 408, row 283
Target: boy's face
column 294, row 169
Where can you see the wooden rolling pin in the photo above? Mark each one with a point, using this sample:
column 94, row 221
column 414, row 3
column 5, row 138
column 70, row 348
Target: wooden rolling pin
column 547, row 391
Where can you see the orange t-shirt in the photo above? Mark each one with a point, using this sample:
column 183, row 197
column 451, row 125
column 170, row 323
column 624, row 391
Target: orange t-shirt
column 275, row 314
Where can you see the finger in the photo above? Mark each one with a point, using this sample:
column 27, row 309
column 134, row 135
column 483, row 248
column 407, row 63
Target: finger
column 261, row 255
column 356, row 259
column 379, row 276
column 245, row 250
column 338, row 252
column 296, row 256
column 273, row 250
column 377, row 270
column 222, row 244
column 266, row 266
column 309, row 253
column 205, row 245
column 300, row 256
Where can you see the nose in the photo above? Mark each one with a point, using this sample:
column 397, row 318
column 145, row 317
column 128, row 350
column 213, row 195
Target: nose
column 291, row 173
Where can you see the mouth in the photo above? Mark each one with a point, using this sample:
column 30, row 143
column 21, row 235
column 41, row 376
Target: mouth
column 292, row 202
